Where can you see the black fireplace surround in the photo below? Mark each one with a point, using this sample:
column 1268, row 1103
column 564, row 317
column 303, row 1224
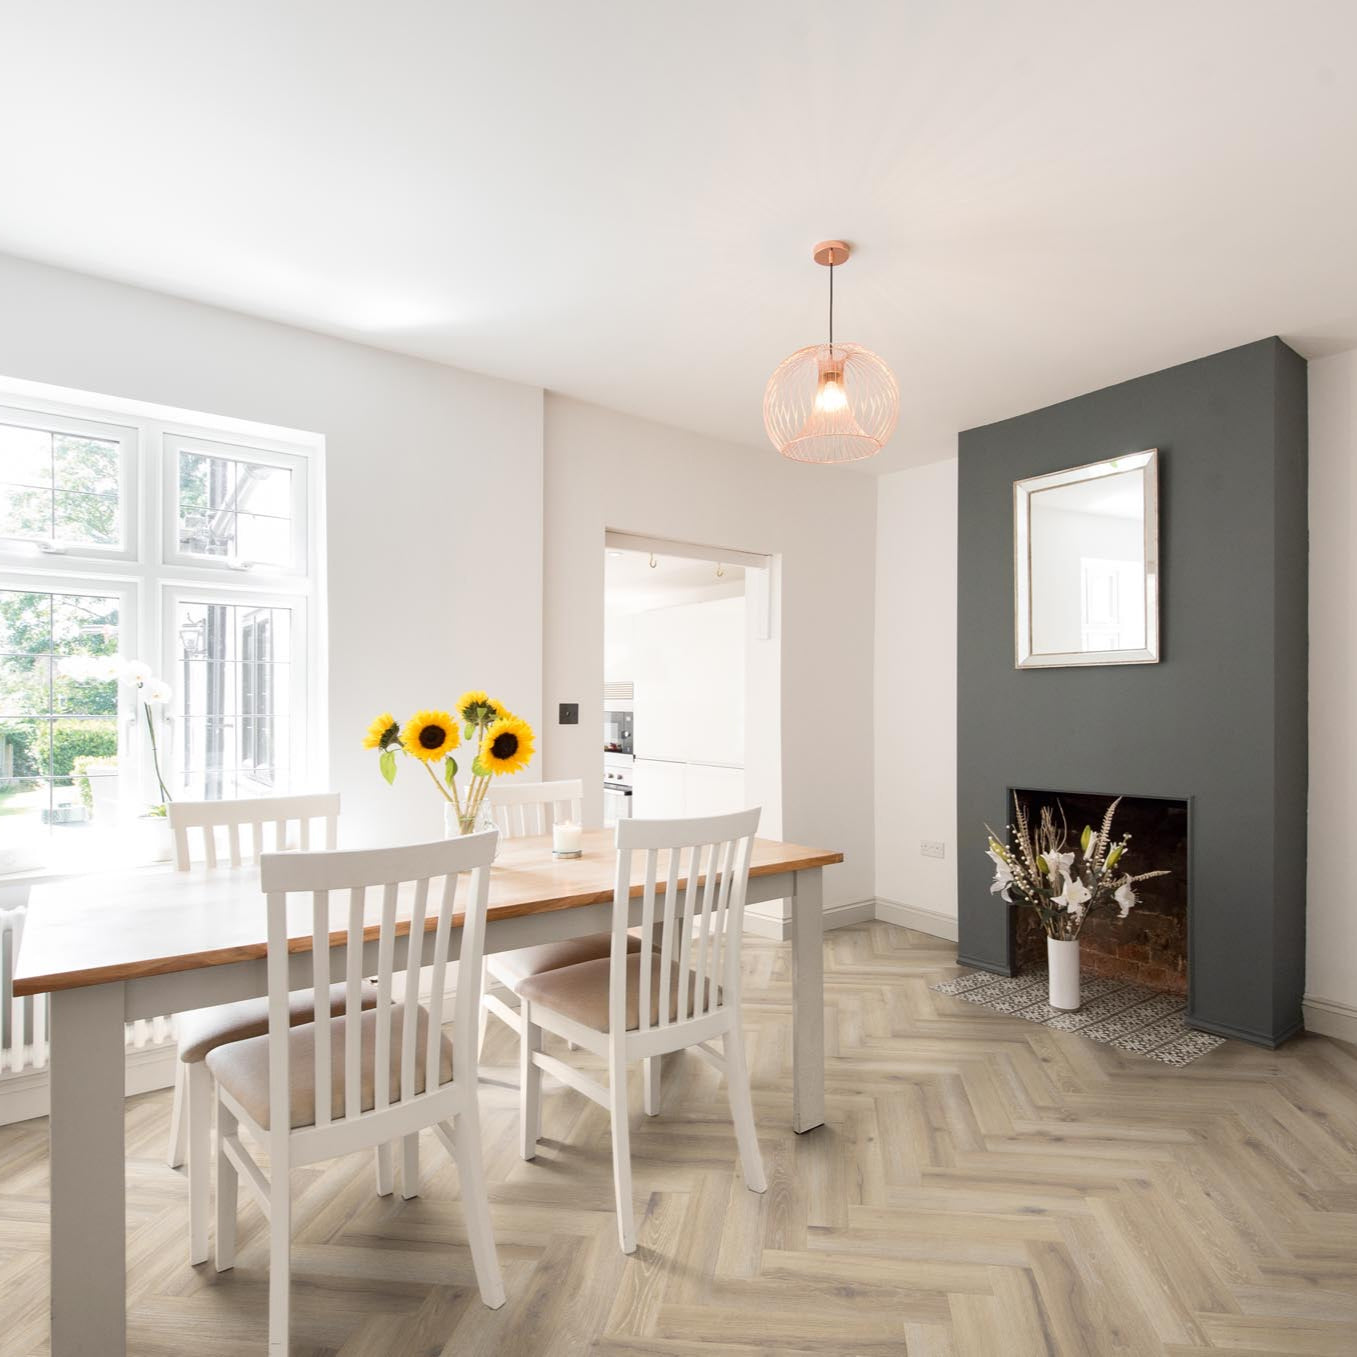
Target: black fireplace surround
column 1220, row 723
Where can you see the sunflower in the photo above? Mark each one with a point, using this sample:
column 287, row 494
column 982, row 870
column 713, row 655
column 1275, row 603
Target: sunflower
column 507, row 746
column 430, row 735
column 382, row 732
column 476, row 708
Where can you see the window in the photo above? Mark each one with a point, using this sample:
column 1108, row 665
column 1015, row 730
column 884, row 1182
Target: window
column 234, row 507
column 57, row 730
column 64, row 484
column 117, row 534
column 235, row 684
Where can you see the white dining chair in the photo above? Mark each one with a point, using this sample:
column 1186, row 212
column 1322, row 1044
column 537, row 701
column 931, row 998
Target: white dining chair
column 522, row 809
column 243, row 823
column 367, row 1077
column 680, row 988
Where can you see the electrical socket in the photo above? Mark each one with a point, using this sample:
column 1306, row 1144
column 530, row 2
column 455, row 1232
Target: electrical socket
column 933, row 848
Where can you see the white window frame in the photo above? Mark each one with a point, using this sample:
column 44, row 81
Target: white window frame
column 261, row 453
column 150, row 573
column 126, row 438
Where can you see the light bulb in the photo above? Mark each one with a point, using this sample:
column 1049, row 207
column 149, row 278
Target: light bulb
column 830, row 399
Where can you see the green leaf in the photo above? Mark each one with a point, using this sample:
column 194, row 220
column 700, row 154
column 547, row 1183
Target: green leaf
column 479, row 768
column 449, row 769
column 1085, row 839
column 387, row 763
column 468, row 730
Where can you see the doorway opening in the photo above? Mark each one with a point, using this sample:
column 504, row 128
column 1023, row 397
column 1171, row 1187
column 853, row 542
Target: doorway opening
column 692, row 681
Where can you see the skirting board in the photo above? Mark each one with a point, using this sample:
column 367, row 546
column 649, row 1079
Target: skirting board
column 837, row 916
column 27, row 1095
column 1329, row 1018
column 920, row 920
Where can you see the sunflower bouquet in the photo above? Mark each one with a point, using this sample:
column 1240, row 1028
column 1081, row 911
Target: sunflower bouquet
column 503, row 743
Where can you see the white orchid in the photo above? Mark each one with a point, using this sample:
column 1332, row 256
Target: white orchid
column 156, row 691
column 136, row 672
column 1125, row 898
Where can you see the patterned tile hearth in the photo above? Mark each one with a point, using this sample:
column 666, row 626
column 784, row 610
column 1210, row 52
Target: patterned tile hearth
column 1117, row 1013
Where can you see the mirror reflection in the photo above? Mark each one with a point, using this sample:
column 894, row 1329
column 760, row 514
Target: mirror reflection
column 1086, row 584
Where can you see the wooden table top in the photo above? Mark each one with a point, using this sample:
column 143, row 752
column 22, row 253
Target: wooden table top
column 156, row 921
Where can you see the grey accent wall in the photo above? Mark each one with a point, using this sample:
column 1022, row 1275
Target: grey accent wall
column 1220, row 721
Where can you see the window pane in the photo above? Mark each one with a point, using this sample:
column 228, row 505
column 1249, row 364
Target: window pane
column 84, row 625
column 233, row 697
column 25, row 684
column 266, row 540
column 25, row 455
column 87, row 465
column 234, row 509
column 264, row 489
column 25, row 748
column 59, row 487
column 54, row 724
column 25, row 622
column 91, row 519
column 25, row 512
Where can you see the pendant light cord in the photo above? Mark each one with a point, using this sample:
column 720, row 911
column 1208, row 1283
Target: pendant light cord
column 831, row 310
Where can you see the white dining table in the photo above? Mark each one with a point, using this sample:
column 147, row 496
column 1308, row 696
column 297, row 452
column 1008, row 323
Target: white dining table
column 109, row 949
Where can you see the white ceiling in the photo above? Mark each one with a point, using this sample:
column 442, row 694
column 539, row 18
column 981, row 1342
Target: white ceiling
column 617, row 201
column 632, row 585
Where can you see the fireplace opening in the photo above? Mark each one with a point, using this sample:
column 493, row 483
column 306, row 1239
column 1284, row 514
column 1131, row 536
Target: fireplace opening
column 1149, row 946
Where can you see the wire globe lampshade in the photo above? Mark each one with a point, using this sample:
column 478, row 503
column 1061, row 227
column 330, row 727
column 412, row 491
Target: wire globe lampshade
column 831, row 402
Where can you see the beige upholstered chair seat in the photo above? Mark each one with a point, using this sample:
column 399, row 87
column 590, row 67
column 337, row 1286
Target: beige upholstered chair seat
column 242, row 1067
column 580, row 992
column 204, row 1029
column 512, row 968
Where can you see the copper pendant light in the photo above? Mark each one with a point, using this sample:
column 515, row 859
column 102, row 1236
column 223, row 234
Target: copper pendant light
column 831, row 402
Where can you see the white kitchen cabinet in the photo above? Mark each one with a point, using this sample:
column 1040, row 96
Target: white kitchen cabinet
column 662, row 791
column 689, row 666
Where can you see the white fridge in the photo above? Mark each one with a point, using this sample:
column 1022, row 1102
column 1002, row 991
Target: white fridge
column 689, row 664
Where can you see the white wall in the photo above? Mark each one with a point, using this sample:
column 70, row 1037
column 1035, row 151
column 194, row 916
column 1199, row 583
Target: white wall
column 1331, row 923
column 916, row 676
column 606, row 470
column 429, row 593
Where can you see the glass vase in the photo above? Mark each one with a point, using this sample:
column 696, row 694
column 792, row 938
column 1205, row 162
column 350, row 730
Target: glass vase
column 455, row 825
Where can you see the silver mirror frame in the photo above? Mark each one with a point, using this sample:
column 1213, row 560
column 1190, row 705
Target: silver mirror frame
column 1022, row 562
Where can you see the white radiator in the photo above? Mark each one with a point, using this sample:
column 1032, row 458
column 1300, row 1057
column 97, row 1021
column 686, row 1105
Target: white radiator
column 23, row 1038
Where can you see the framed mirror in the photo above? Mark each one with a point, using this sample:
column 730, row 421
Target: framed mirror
column 1086, row 564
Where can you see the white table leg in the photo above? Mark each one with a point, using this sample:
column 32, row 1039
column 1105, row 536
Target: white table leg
column 89, row 1204
column 808, row 1002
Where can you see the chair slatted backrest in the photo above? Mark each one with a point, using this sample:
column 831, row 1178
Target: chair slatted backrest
column 257, row 813
column 418, row 887
column 700, row 922
column 534, row 807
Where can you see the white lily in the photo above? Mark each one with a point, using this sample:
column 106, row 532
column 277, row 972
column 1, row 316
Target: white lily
column 1074, row 897
column 135, row 671
column 156, row 690
column 1058, row 865
column 1126, row 898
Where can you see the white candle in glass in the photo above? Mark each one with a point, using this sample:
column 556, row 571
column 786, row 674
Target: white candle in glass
column 567, row 838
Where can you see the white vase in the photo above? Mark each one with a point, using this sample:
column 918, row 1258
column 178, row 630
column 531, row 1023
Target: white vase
column 155, row 840
column 1062, row 959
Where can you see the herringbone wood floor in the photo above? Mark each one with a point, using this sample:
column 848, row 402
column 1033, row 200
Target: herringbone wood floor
column 983, row 1186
